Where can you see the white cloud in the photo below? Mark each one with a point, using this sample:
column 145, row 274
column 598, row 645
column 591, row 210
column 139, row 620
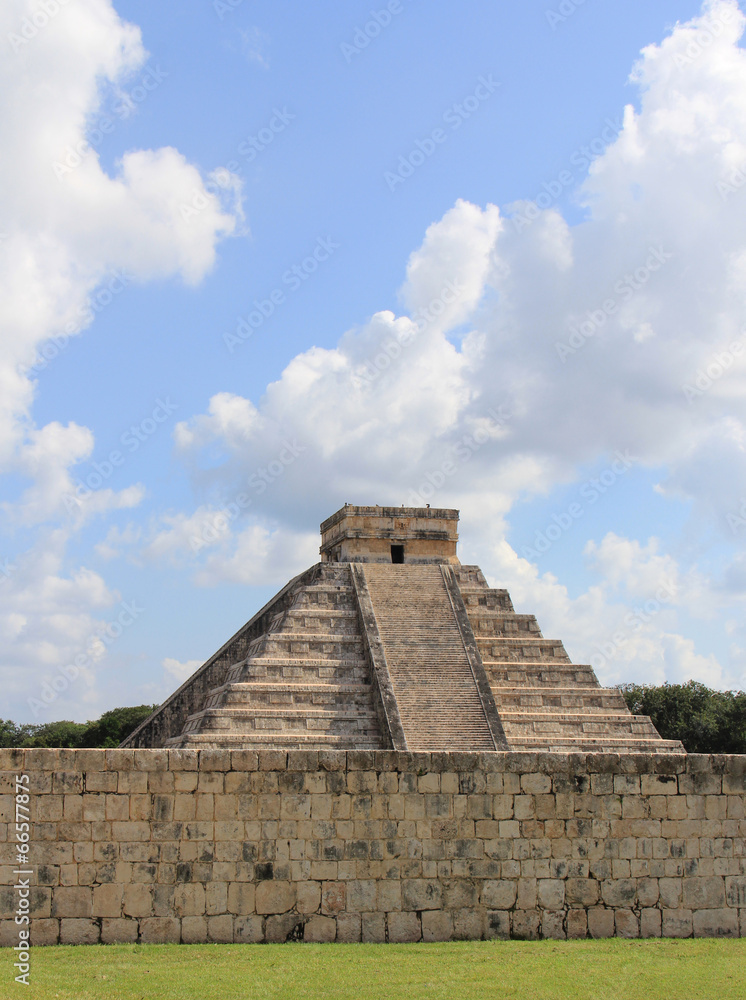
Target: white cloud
column 180, row 670
column 49, row 618
column 67, row 223
column 68, row 226
column 585, row 335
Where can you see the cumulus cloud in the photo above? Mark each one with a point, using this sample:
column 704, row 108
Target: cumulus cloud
column 69, row 228
column 180, row 670
column 67, row 223
column 529, row 348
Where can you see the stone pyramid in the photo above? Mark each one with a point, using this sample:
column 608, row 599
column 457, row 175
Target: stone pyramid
column 390, row 643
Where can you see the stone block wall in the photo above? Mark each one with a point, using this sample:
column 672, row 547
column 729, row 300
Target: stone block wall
column 246, row 846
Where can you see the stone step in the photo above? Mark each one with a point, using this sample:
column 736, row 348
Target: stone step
column 303, row 682
column 309, row 644
column 314, row 611
column 437, row 696
column 589, row 744
column 259, row 694
column 301, row 672
column 310, row 622
column 281, row 740
column 516, row 649
column 512, row 626
column 470, row 577
column 577, row 725
column 514, row 674
column 550, row 699
column 229, row 718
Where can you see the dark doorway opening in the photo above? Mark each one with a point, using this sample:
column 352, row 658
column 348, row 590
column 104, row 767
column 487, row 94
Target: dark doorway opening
column 397, row 553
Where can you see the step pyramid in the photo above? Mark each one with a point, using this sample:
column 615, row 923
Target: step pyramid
column 390, row 642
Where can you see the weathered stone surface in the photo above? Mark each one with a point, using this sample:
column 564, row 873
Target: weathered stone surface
column 704, row 893
column 715, row 923
column 373, row 928
column 321, row 929
column 370, row 863
column 73, row 931
column 500, row 894
column 600, row 922
column 274, row 897
column 248, row 930
column 404, row 927
column 677, row 923
column 385, row 619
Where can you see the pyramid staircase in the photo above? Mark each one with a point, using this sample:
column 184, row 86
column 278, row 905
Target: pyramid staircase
column 414, row 656
column 545, row 702
column 432, row 677
column 303, row 683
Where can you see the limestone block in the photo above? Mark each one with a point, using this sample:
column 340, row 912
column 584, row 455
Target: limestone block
column 647, row 891
column 626, row 784
column 421, row 894
column 526, row 925
column 349, row 927
column 735, row 891
column 284, row 927
column 650, row 923
column 118, row 930
column 553, row 925
column 670, row 892
column 373, row 928
column 536, row 784
column 498, row 925
column 308, row 897
column 404, row 927
column 76, row 931
column 216, row 897
column 715, row 923
column 527, row 894
column 551, row 893
column 240, row 898
column 274, row 897
column 137, row 900
column 107, row 900
column 361, row 896
column 72, row 901
column 499, row 894
column 320, row 929
column 658, row 784
column 619, row 891
column 43, row 931
column 677, row 923
column 247, row 930
column 577, row 924
column 626, row 924
column 704, row 893
column 389, row 895
column 220, row 929
column 193, row 930
column 600, row 922
column 437, row 925
column 581, row 891
column 468, row 924
column 160, row 930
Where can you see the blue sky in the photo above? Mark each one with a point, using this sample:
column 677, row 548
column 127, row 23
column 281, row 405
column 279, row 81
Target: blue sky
column 465, row 255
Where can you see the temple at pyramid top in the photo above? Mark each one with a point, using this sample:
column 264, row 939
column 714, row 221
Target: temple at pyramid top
column 390, row 535
column 389, row 642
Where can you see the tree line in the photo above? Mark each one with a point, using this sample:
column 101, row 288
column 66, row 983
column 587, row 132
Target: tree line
column 107, row 731
column 705, row 721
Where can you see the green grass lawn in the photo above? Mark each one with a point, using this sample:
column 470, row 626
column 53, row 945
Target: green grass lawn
column 545, row 970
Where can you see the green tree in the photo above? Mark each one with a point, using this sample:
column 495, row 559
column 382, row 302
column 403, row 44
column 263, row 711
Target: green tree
column 107, row 731
column 705, row 721
column 114, row 726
